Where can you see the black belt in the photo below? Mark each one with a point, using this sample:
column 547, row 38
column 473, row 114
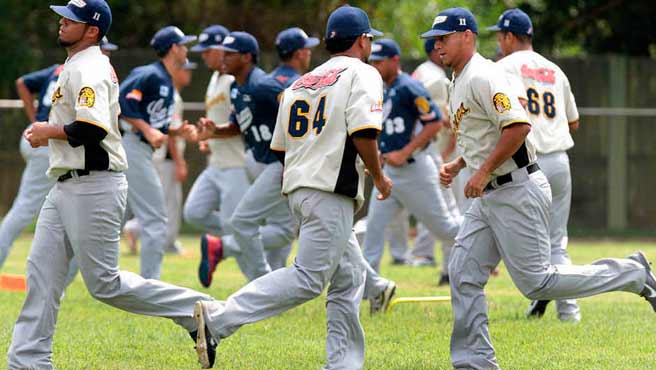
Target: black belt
column 72, row 173
column 504, row 179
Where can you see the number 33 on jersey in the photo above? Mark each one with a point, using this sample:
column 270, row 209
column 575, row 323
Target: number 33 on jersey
column 317, row 116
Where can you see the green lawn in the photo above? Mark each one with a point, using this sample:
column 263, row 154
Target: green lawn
column 617, row 330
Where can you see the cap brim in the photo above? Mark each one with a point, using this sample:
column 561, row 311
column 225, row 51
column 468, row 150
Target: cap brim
column 494, row 28
column 375, row 32
column 311, row 42
column 190, row 65
column 66, row 13
column 187, row 39
column 199, row 48
column 375, row 57
column 225, row 48
column 434, row 33
column 109, row 47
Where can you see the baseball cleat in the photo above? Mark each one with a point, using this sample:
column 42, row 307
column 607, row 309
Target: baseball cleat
column 381, row 302
column 211, row 249
column 205, row 342
column 444, row 280
column 649, row 291
column 423, row 262
column 536, row 309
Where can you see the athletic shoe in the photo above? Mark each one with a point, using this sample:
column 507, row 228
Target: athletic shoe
column 536, row 309
column 381, row 302
column 444, row 280
column 573, row 318
column 205, row 342
column 399, row 261
column 211, row 249
column 649, row 291
column 423, row 262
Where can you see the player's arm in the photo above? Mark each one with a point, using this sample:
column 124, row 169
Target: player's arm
column 154, row 136
column 573, row 126
column 178, row 159
column 77, row 133
column 27, row 97
column 367, row 146
column 208, row 129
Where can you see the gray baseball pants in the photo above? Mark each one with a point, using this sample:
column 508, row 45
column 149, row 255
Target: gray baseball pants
column 262, row 222
column 511, row 223
column 146, row 201
column 556, row 168
column 328, row 256
column 396, row 234
column 172, row 189
column 82, row 217
column 416, row 189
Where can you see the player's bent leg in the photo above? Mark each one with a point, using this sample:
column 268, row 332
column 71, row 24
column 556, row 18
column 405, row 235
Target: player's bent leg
column 396, row 234
column 345, row 341
column 203, row 201
column 92, row 222
column 523, row 238
column 31, row 343
column 423, row 251
column 473, row 258
column 324, row 234
column 32, row 191
column 380, row 214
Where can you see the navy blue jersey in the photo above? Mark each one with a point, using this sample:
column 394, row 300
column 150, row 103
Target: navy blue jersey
column 405, row 102
column 43, row 82
column 147, row 94
column 256, row 108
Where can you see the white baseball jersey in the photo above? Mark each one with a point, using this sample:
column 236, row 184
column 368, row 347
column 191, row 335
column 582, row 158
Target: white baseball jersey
column 435, row 81
column 228, row 152
column 86, row 91
column 317, row 116
column 551, row 105
column 482, row 104
column 176, row 123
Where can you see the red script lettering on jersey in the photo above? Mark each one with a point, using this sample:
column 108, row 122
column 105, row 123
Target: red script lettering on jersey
column 316, row 82
column 539, row 74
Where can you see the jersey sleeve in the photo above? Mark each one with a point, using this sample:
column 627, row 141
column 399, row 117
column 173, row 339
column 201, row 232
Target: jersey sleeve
column 132, row 95
column 278, row 140
column 36, row 80
column 364, row 107
column 91, row 98
column 496, row 97
column 570, row 103
column 422, row 103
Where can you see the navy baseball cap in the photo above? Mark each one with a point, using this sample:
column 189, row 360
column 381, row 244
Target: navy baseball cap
column 515, row 21
column 349, row 21
column 92, row 12
column 210, row 38
column 167, row 36
column 240, row 42
column 450, row 21
column 384, row 48
column 106, row 45
column 293, row 39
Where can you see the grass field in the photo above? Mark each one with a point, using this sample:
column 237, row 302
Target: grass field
column 617, row 330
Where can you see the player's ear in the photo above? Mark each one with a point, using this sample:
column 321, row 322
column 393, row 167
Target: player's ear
column 93, row 33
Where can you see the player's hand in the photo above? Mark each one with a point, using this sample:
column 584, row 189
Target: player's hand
column 155, row 137
column 448, row 172
column 476, row 184
column 384, row 186
column 396, row 158
column 181, row 171
column 37, row 134
column 189, row 132
column 204, row 147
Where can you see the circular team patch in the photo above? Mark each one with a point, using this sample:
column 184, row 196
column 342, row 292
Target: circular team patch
column 501, row 102
column 87, row 97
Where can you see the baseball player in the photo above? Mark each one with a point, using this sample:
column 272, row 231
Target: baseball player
column 147, row 108
column 406, row 163
column 219, row 188
column 171, row 167
column 35, row 184
column 509, row 217
column 552, row 110
column 82, row 213
column 322, row 135
column 256, row 106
